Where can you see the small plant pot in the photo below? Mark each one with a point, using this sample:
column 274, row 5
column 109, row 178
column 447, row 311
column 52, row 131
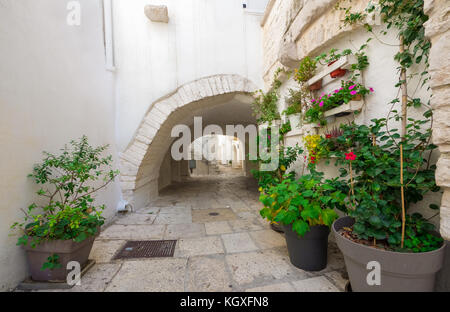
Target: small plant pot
column 67, row 250
column 357, row 97
column 399, row 271
column 316, row 86
column 309, row 252
column 337, row 72
column 295, row 121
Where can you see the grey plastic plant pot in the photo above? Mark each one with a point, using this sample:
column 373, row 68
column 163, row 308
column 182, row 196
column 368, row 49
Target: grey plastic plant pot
column 309, row 252
column 399, row 271
column 67, row 251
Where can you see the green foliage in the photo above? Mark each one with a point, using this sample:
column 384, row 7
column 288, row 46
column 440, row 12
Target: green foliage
column 67, row 183
column 306, row 69
column 343, row 95
column 287, row 156
column 408, row 18
column 295, row 101
column 376, row 203
column 265, row 105
column 303, row 203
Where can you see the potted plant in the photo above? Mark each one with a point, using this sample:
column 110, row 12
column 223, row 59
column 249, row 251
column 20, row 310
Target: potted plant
column 331, row 58
column 62, row 226
column 295, row 103
column 306, row 209
column 265, row 104
column 306, row 71
column 346, row 93
column 405, row 246
column 266, row 179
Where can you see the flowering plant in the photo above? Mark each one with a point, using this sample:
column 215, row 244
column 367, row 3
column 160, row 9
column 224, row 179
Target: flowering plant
column 316, row 151
column 370, row 169
column 346, row 93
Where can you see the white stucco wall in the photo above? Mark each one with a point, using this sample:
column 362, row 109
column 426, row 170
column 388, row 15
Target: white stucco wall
column 53, row 88
column 203, row 38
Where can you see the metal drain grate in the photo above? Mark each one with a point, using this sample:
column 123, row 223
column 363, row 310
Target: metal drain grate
column 147, row 249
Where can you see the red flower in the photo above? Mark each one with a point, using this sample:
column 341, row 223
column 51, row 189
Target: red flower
column 350, row 156
column 328, row 136
column 313, row 158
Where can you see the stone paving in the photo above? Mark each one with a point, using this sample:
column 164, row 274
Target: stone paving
column 233, row 251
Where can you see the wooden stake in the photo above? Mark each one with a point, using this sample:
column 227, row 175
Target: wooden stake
column 404, row 90
column 403, row 195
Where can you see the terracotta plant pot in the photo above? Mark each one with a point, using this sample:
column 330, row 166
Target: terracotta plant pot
column 67, row 251
column 399, row 271
column 309, row 252
column 337, row 72
column 357, row 97
column 316, row 85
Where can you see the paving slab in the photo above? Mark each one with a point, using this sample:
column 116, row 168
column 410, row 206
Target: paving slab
column 282, row 287
column 177, row 231
column 315, row 284
column 104, row 250
column 263, row 266
column 136, row 218
column 238, row 242
column 159, row 275
column 97, row 278
column 265, row 239
column 173, row 218
column 133, row 232
column 217, row 228
column 199, row 246
column 213, row 215
column 208, row 273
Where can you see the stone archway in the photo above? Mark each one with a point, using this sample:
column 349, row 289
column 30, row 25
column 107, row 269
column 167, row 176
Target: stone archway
column 145, row 139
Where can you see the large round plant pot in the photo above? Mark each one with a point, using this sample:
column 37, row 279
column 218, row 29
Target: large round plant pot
column 399, row 271
column 309, row 252
column 67, row 250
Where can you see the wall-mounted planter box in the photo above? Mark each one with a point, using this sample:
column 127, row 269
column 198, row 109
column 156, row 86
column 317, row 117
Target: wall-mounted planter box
column 350, row 107
column 341, row 64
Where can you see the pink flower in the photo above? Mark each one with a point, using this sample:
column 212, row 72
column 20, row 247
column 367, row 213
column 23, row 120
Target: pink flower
column 329, row 95
column 321, row 104
column 351, row 87
column 354, row 92
column 313, row 100
column 371, row 89
column 336, row 91
column 350, row 156
column 340, row 89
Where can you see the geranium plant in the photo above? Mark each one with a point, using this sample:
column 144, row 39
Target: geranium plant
column 303, row 203
column 370, row 166
column 346, row 93
column 67, row 183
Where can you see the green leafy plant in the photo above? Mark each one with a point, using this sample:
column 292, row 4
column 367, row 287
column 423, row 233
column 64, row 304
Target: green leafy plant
column 306, row 69
column 303, row 203
column 371, row 167
column 348, row 91
column 67, row 183
column 265, row 105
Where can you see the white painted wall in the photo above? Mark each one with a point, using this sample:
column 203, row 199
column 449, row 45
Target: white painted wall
column 202, row 38
column 53, row 88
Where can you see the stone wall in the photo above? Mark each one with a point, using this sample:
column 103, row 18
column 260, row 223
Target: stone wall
column 316, row 28
column 437, row 29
